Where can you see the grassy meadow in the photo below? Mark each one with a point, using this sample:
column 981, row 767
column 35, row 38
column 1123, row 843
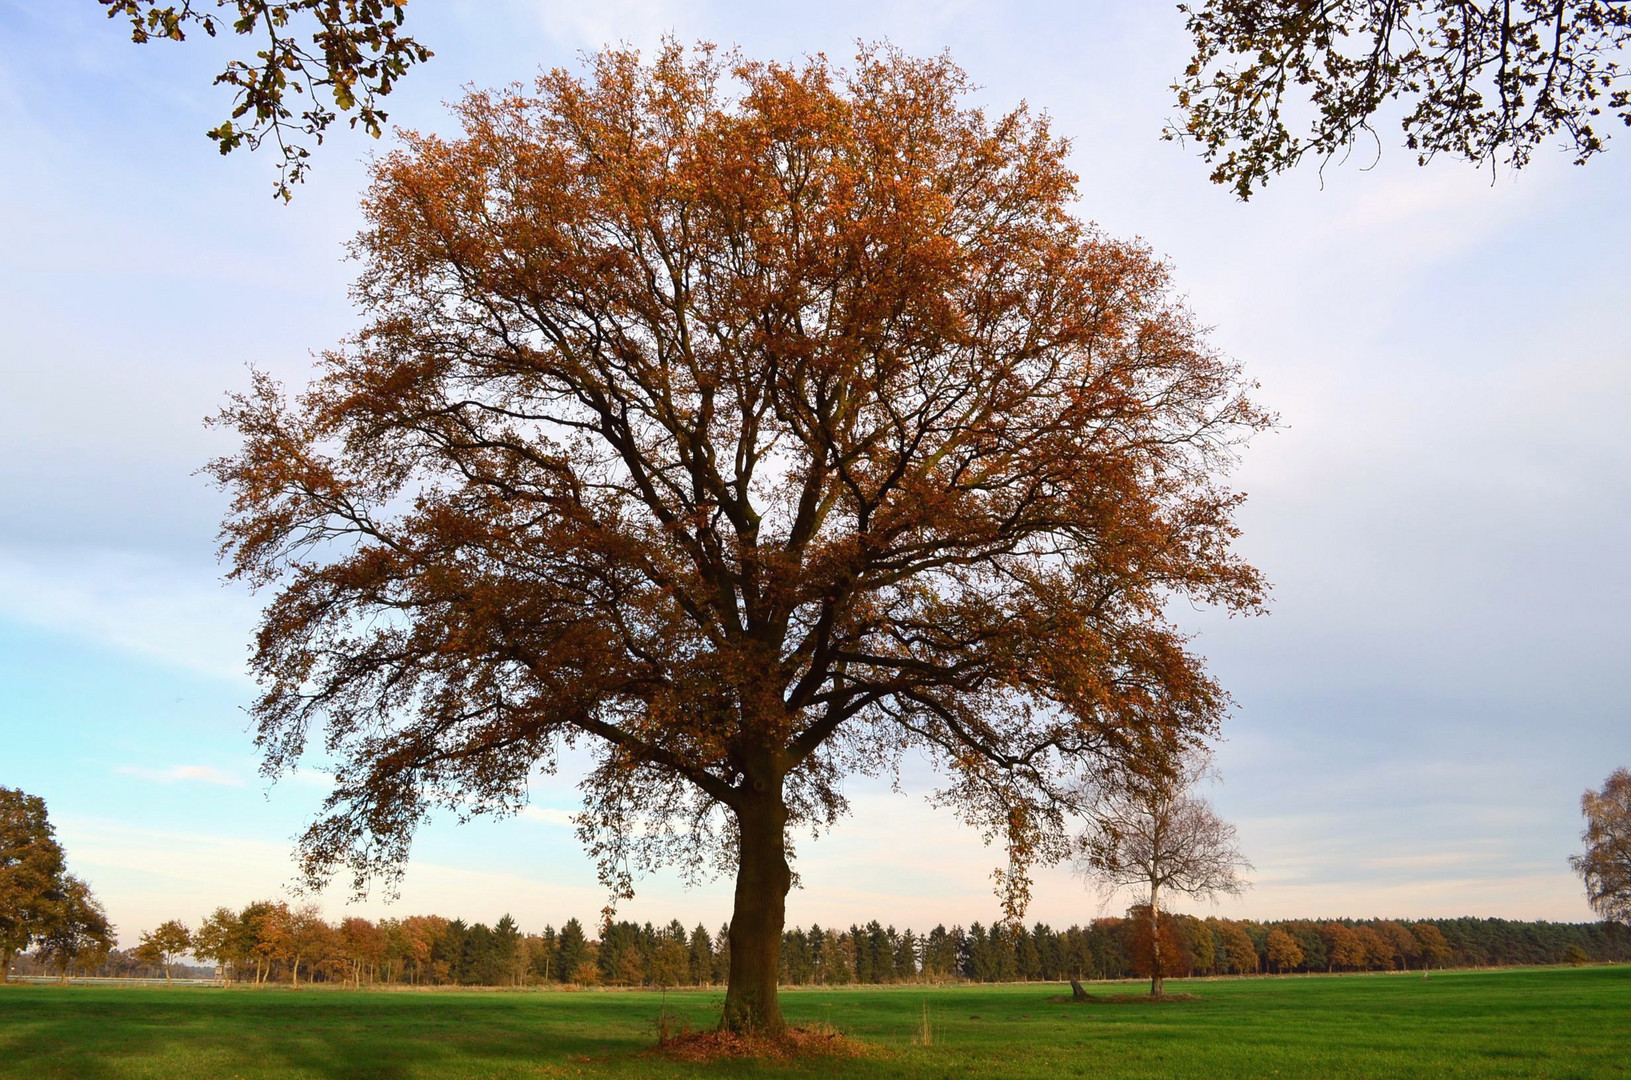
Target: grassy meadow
column 1538, row 1022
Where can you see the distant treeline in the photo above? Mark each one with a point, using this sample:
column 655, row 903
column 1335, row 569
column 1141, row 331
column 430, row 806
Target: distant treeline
column 270, row 941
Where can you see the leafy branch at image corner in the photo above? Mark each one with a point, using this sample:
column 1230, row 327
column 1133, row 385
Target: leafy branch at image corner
column 353, row 56
column 1269, row 82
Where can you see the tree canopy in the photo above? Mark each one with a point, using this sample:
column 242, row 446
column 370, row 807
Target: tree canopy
column 757, row 425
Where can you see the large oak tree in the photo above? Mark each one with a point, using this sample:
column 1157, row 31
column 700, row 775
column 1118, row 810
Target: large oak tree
column 756, row 426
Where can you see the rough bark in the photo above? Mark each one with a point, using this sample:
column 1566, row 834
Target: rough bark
column 762, row 880
column 5, row 966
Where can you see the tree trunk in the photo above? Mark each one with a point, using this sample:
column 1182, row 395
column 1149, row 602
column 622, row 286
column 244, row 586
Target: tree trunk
column 1155, row 943
column 762, row 881
column 5, row 966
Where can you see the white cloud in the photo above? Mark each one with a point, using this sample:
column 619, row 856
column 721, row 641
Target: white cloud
column 549, row 815
column 200, row 773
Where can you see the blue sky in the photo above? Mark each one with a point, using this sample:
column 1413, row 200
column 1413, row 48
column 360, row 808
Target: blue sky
column 1443, row 513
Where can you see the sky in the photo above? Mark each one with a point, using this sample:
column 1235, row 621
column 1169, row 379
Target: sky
column 1442, row 511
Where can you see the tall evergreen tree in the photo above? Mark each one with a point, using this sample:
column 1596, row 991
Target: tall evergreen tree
column 574, row 950
column 939, row 954
column 798, row 966
column 545, row 955
column 722, row 954
column 906, row 955
column 507, row 955
column 974, row 959
column 447, row 954
column 702, row 956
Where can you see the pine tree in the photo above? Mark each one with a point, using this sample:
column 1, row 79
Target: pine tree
column 722, row 954
column 906, row 955
column 702, row 956
column 507, row 955
column 574, row 950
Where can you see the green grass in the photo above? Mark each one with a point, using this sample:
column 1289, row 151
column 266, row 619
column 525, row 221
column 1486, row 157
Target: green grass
column 1547, row 1022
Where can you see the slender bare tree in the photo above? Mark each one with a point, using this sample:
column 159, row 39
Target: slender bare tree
column 1152, row 833
column 1605, row 865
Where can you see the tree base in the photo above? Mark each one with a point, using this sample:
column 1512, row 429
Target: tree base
column 1124, row 999
column 818, row 1040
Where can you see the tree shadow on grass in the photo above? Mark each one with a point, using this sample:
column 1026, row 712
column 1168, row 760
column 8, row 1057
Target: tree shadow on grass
column 133, row 1035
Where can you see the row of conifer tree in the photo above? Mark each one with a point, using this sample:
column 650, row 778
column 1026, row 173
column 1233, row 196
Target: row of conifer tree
column 272, row 942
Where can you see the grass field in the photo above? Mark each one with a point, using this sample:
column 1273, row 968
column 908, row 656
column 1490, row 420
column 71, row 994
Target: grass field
column 1548, row 1022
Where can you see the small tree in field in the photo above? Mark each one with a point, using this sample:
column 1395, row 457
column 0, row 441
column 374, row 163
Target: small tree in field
column 755, row 425
column 79, row 931
column 1150, row 832
column 218, row 938
column 164, row 943
column 1605, row 865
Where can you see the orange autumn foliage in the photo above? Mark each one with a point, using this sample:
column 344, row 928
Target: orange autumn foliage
column 1171, row 962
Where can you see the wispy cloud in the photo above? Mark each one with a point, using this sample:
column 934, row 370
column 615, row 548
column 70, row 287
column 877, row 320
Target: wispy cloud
column 202, row 774
column 595, row 26
column 549, row 815
column 140, row 604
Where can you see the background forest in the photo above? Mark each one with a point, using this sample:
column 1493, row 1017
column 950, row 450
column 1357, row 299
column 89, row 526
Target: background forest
column 268, row 941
